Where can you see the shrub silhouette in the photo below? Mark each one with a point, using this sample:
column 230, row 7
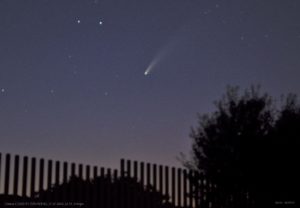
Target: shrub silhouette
column 249, row 150
column 105, row 192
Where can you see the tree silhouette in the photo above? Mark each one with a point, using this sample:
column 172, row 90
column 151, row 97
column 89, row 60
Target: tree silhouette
column 248, row 150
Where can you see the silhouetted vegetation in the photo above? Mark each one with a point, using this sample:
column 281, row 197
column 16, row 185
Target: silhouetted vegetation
column 249, row 150
column 105, row 192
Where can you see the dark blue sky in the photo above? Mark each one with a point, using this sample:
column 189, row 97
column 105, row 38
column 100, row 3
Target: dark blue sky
column 72, row 83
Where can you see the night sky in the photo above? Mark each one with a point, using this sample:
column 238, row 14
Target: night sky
column 93, row 81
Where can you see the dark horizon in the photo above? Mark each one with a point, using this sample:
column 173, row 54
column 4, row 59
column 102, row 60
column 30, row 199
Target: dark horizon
column 96, row 81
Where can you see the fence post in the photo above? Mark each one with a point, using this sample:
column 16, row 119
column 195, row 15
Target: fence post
column 73, row 184
column 95, row 187
column 191, row 188
column 179, row 193
column 122, row 185
column 173, row 186
column 7, row 173
column 109, row 189
column 41, row 176
column 129, row 186
column 154, row 172
column 80, row 183
column 115, row 193
column 32, row 186
column 167, row 183
column 135, row 170
column 148, row 186
column 66, row 189
column 196, row 178
column 142, row 198
column 16, row 175
column 185, row 195
column 49, row 181
column 57, row 193
column 160, row 179
column 25, row 170
column 88, row 187
column 102, row 187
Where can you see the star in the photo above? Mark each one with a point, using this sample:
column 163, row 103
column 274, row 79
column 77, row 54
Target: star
column 100, row 22
column 2, row 90
column 78, row 21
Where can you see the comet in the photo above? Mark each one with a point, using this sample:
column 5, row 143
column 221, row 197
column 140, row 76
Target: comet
column 158, row 58
column 167, row 49
column 152, row 65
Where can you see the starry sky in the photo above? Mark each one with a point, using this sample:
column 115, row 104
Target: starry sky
column 73, row 80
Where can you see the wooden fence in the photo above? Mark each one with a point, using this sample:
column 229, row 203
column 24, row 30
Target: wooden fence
column 26, row 180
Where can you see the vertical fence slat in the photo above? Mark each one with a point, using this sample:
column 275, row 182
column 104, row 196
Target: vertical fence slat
column 32, row 179
column 197, row 190
column 185, row 179
column 7, row 174
column 73, row 170
column 135, row 170
column 173, row 185
column 108, row 188
column 57, row 194
column 80, row 171
column 128, row 168
column 66, row 190
column 179, row 191
column 57, row 169
column 190, row 188
column 87, row 186
column 95, row 187
column 122, row 168
column 160, row 178
column 25, row 170
column 116, row 190
column 79, row 184
column 16, row 175
column 65, row 172
column 122, row 185
column 142, row 202
column 73, row 185
column 128, row 194
column 148, row 184
column 49, row 180
column 41, row 175
column 102, row 188
column 154, row 172
column 142, row 165
column 148, row 175
column 87, row 172
column 135, row 175
column 154, row 183
column 167, row 182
